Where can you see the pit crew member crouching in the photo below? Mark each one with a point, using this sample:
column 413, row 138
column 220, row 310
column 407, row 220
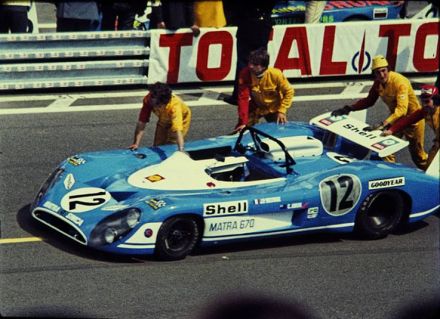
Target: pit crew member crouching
column 397, row 93
column 174, row 117
column 263, row 91
column 430, row 112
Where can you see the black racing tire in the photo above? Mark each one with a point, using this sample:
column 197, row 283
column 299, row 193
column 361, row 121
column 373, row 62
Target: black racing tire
column 380, row 214
column 177, row 237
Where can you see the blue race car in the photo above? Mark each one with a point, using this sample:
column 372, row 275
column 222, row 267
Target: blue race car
column 270, row 180
column 292, row 12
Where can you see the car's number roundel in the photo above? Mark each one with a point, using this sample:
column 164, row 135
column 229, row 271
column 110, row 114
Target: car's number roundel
column 84, row 199
column 339, row 193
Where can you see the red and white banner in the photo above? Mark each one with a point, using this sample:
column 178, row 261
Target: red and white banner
column 301, row 50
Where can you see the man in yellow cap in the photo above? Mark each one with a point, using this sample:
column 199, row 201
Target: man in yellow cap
column 397, row 93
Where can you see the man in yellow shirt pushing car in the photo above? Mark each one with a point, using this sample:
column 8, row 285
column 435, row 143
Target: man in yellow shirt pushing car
column 397, row 93
column 263, row 91
column 174, row 117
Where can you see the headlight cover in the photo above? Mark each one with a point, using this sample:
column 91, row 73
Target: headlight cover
column 49, row 183
column 115, row 227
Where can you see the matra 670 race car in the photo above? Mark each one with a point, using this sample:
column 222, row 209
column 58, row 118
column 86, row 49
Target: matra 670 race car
column 270, row 180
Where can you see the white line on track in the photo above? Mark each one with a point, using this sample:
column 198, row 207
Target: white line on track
column 129, row 106
column 62, row 102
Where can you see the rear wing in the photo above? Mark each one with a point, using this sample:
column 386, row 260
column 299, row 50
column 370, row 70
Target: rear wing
column 352, row 129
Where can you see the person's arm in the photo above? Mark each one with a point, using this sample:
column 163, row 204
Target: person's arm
column 190, row 17
column 176, row 115
column 404, row 122
column 144, row 117
column 287, row 93
column 368, row 101
column 243, row 99
column 180, row 141
column 361, row 104
column 138, row 134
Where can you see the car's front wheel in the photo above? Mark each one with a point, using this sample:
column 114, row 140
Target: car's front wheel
column 380, row 214
column 176, row 238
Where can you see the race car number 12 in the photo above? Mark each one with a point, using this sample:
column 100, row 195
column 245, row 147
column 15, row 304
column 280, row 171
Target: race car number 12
column 339, row 194
column 84, row 199
column 94, row 199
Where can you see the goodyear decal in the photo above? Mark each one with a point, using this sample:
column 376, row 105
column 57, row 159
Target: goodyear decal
column 386, row 183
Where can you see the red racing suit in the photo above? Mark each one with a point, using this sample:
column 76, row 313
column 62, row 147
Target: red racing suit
column 433, row 121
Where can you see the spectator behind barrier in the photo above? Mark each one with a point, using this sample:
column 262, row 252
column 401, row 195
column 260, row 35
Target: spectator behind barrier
column 173, row 15
column 75, row 16
column 120, row 15
column 14, row 16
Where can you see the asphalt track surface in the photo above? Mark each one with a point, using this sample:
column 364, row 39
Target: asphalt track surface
column 43, row 274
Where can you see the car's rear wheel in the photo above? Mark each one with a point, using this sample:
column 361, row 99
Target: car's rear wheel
column 380, row 214
column 177, row 238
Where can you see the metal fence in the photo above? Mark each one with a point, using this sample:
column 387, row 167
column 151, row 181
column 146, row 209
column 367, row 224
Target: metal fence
column 80, row 59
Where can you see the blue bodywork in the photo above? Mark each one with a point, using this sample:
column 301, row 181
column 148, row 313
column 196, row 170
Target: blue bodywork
column 232, row 189
column 291, row 12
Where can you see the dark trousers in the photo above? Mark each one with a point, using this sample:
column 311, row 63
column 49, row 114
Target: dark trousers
column 125, row 17
column 13, row 18
column 74, row 25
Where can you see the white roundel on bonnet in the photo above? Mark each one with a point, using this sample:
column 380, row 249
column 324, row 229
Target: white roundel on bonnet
column 84, row 199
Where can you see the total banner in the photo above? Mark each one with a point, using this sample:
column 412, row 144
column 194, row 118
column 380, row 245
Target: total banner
column 338, row 49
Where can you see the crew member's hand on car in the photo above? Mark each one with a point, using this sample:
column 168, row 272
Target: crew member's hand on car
column 342, row 111
column 281, row 118
column 133, row 147
column 379, row 126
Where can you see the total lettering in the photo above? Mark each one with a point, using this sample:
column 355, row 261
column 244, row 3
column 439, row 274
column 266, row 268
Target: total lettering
column 211, row 56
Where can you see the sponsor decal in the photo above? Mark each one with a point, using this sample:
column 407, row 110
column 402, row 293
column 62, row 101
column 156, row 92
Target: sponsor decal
column 268, row 200
column 154, row 178
column 156, row 203
column 225, row 208
column 385, row 183
column 76, row 161
column 75, row 219
column 84, row 199
column 69, row 181
column 210, row 184
column 384, row 144
column 312, row 212
column 340, row 193
column 332, row 119
column 360, row 131
column 298, row 205
column 53, row 207
column 232, row 225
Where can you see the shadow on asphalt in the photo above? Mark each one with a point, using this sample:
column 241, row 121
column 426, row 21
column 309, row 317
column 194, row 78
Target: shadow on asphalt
column 51, row 237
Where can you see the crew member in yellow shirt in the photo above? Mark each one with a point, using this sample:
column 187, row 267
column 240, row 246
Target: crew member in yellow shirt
column 397, row 93
column 174, row 117
column 263, row 91
column 430, row 112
